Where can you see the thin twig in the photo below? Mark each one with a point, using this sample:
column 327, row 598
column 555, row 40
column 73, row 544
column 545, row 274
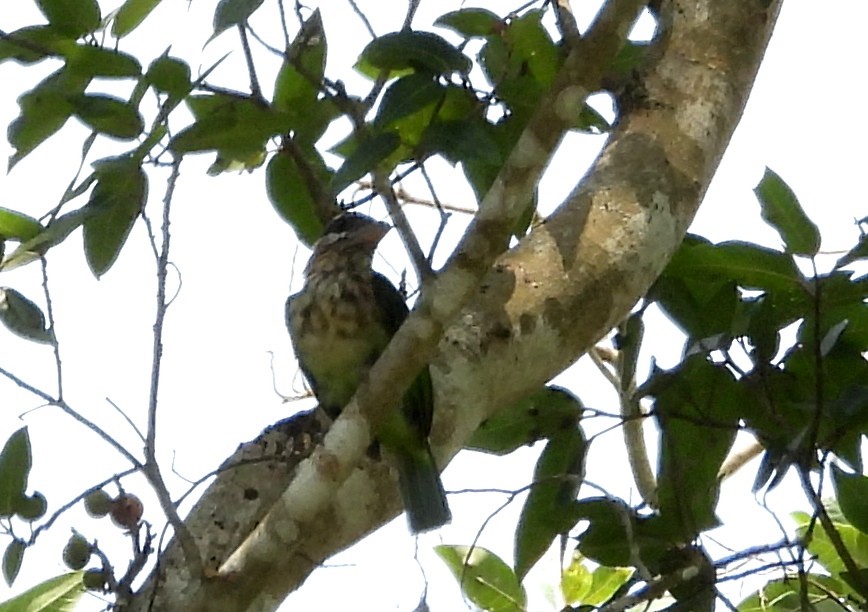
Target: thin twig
column 152, row 469
column 55, row 343
column 444, row 216
column 361, row 15
column 66, row 409
column 126, row 417
column 408, row 237
column 255, row 89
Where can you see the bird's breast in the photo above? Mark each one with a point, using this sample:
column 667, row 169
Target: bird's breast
column 337, row 334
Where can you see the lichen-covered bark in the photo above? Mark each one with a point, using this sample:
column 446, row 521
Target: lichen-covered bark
column 536, row 310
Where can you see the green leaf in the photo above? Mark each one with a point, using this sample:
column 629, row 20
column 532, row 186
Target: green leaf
column 781, row 210
column 170, row 75
column 858, row 252
column 32, row 507
column 37, row 43
column 15, row 462
column 541, row 415
column 470, row 22
column 12, row 558
column 236, row 127
column 109, row 115
column 294, row 197
column 484, row 578
column 23, row 318
column 749, row 265
column 593, row 588
column 301, row 74
column 406, row 96
column 58, row 594
column 54, row 234
column 549, row 510
column 852, row 494
column 17, row 226
column 44, row 110
column 698, row 406
column 783, row 595
column 606, row 539
column 72, row 17
column 412, row 50
column 364, row 159
column 90, row 61
column 115, row 203
column 230, row 13
column 131, row 14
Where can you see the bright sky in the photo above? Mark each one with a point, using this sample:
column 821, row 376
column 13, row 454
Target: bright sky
column 235, row 260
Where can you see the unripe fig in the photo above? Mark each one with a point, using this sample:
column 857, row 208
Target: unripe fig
column 93, row 579
column 98, row 503
column 76, row 553
column 31, row 508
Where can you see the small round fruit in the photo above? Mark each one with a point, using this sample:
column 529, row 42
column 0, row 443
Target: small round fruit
column 76, row 553
column 126, row 511
column 98, row 503
column 93, row 579
column 32, row 508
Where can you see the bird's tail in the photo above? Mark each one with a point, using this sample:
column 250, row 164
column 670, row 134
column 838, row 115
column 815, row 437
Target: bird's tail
column 421, row 489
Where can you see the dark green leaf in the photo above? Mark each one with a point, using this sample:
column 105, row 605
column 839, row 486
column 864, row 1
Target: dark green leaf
column 52, row 235
column 115, row 203
column 294, row 196
column 852, row 494
column 230, row 13
column 470, row 22
column 58, row 594
column 72, row 17
column 44, row 110
column 170, row 75
column 90, row 61
column 606, row 540
column 749, row 265
column 698, row 406
column 549, row 510
column 781, row 210
column 406, row 96
column 32, row 507
column 12, row 558
column 22, row 317
column 32, row 44
column 461, row 141
column 130, row 15
column 412, row 50
column 541, row 415
column 858, row 252
column 487, row 581
column 15, row 462
column 17, row 226
column 364, row 159
column 109, row 115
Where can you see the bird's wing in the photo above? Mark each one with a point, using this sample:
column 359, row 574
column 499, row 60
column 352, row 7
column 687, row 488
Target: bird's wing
column 418, row 404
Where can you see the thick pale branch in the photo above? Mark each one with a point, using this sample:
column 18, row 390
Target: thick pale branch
column 539, row 307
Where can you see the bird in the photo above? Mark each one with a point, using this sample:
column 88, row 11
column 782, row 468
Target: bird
column 339, row 324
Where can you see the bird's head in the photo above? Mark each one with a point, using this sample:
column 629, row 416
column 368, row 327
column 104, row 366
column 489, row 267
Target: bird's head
column 349, row 239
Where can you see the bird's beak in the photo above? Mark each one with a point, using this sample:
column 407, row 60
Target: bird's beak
column 373, row 232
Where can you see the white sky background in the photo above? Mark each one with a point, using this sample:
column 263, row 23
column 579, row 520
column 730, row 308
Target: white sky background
column 235, row 256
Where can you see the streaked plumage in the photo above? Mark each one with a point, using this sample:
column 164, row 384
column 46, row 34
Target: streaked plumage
column 339, row 323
